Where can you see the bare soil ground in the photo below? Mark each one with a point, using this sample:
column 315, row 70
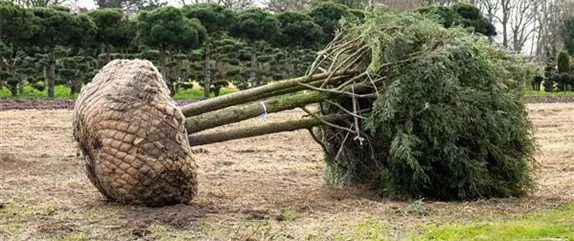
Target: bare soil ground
column 56, row 103
column 68, row 103
column 262, row 188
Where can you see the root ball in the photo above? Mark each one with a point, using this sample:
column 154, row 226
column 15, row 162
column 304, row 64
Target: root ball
column 132, row 137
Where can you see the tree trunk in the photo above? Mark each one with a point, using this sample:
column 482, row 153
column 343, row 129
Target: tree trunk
column 52, row 73
column 201, row 107
column 295, row 68
column 13, row 90
column 162, row 62
column 215, row 77
column 234, row 114
column 45, row 75
column 216, row 90
column 506, row 8
column 21, row 87
column 197, row 140
column 164, row 72
column 75, row 85
column 207, row 79
column 108, row 53
column 253, row 74
column 505, row 35
column 289, row 63
column 534, row 35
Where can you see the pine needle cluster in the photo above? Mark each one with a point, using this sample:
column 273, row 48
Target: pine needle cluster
column 448, row 121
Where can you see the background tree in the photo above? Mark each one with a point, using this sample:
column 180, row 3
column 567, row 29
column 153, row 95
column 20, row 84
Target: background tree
column 327, row 15
column 567, row 31
column 357, row 4
column 536, row 81
column 224, row 61
column 523, row 16
column 563, row 67
column 470, row 16
column 288, row 5
column 549, row 81
column 167, row 29
column 59, row 28
column 11, row 67
column 217, row 20
column 550, row 15
column 114, row 29
column 16, row 23
column 40, row 3
column 563, row 61
column 395, row 5
column 229, row 4
column 463, row 14
column 297, row 31
column 16, row 28
column 132, row 6
column 255, row 25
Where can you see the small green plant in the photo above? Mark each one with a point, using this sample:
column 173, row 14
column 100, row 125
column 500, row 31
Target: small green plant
column 289, row 215
column 418, row 207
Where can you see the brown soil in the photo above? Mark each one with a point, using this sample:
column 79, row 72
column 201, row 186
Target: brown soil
column 55, row 103
column 68, row 103
column 261, row 188
column 549, row 99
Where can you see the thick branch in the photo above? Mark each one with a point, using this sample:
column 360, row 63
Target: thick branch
column 197, row 140
column 240, row 97
column 292, row 90
column 238, row 113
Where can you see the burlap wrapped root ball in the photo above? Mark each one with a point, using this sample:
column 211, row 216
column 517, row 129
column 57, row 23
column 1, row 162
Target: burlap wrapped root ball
column 132, row 137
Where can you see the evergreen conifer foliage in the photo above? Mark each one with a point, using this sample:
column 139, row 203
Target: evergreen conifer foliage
column 449, row 123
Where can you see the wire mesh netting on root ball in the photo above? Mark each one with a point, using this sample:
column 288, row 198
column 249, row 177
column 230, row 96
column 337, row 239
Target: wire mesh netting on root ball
column 440, row 114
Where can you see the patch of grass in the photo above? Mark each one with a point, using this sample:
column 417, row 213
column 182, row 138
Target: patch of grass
column 211, row 230
column 62, row 91
column 13, row 219
column 197, row 93
column 544, row 93
column 556, row 224
column 73, row 237
column 371, row 230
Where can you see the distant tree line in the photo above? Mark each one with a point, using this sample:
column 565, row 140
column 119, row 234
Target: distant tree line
column 559, row 72
column 558, row 75
column 213, row 44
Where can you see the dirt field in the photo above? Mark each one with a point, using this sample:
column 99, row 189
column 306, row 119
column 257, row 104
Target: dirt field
column 263, row 188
